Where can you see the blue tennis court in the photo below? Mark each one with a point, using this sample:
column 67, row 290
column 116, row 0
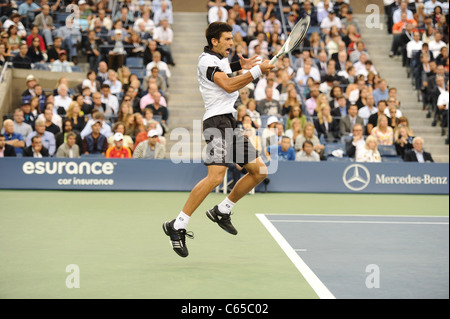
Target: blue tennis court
column 352, row 256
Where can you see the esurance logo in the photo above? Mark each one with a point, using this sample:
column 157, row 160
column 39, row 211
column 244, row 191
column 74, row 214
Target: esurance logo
column 70, row 168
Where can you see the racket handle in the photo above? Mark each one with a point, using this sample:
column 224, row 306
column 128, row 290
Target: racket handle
column 274, row 60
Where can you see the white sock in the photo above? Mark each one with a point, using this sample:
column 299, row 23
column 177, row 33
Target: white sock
column 181, row 221
column 226, row 206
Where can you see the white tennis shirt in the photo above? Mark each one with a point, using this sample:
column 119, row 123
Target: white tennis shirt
column 217, row 100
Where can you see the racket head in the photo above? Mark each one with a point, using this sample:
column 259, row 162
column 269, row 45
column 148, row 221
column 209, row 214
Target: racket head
column 298, row 34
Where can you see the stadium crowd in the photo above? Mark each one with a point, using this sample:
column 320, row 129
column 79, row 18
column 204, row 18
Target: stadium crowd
column 325, row 102
column 120, row 109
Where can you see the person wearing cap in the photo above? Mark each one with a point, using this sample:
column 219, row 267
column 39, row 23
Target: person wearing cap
column 95, row 142
column 118, row 150
column 150, row 148
column 30, row 83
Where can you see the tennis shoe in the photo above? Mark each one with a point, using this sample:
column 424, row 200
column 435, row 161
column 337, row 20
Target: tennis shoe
column 223, row 220
column 177, row 238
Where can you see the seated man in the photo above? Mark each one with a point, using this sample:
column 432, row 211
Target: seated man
column 307, row 154
column 417, row 154
column 36, row 149
column 150, row 148
column 350, row 120
column 5, row 149
column 356, row 141
column 13, row 138
column 69, row 149
column 95, row 142
column 282, row 152
column 47, row 138
column 118, row 150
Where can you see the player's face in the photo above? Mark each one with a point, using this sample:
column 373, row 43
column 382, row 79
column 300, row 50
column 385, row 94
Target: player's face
column 225, row 44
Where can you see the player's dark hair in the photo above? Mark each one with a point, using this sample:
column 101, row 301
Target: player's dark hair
column 215, row 30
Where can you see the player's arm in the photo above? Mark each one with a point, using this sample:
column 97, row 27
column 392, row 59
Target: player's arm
column 238, row 82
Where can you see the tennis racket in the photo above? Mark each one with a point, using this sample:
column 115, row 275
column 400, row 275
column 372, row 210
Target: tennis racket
column 296, row 37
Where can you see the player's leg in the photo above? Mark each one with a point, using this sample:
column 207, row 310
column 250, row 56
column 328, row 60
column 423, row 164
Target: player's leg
column 257, row 172
column 176, row 229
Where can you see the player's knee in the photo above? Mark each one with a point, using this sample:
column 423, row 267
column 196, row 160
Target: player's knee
column 216, row 180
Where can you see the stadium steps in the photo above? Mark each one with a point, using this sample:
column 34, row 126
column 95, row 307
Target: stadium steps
column 186, row 104
column 378, row 43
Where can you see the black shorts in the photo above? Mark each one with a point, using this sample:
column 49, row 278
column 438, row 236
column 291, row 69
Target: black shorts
column 226, row 143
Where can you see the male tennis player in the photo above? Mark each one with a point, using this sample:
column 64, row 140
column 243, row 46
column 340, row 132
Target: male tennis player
column 224, row 144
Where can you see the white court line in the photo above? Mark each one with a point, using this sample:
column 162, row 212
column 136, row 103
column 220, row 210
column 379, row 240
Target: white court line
column 352, row 222
column 320, row 289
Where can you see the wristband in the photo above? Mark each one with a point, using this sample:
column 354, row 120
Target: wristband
column 256, row 72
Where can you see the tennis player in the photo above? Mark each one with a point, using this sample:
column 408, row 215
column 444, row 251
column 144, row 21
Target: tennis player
column 225, row 144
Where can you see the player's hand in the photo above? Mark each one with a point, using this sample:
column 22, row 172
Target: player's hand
column 266, row 67
column 247, row 64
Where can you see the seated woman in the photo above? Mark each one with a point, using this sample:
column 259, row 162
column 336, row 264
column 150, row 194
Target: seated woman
column 308, row 135
column 296, row 113
column 383, row 132
column 326, row 125
column 403, row 140
column 369, row 152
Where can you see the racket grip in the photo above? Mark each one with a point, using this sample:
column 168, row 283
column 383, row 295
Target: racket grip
column 274, row 60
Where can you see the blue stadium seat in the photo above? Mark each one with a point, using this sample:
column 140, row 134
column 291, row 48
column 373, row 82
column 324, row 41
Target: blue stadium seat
column 330, row 147
column 344, row 159
column 135, row 62
column 387, row 150
column 391, row 159
column 140, row 72
column 76, row 68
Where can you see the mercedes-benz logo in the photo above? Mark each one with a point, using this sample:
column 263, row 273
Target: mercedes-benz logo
column 356, row 177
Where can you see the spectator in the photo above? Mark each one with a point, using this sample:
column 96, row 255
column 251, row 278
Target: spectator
column 369, row 152
column 35, row 53
column 69, row 149
column 307, row 154
column 19, row 125
column 6, row 150
column 381, row 92
column 296, row 113
column 115, row 86
column 164, row 11
column 92, row 47
column 442, row 106
column 71, row 39
column 76, row 116
column 291, row 102
column 109, row 99
column 392, row 114
column 326, row 126
column 95, row 142
column 157, row 108
column 118, row 150
column 373, row 119
column 330, row 21
column 163, row 35
column 308, row 135
column 34, row 33
column 46, row 138
column 269, row 106
column 13, row 138
column 341, row 108
column 282, row 152
column 117, row 55
column 150, row 148
column 119, row 127
column 254, row 114
column 161, row 65
column 105, row 129
column 417, row 154
column 49, row 125
column 62, row 100
column 383, row 132
column 21, row 60
column 217, row 13
column 295, row 130
column 44, row 22
column 28, row 116
column 14, row 19
column 366, row 111
column 348, row 122
column 30, row 83
column 53, row 52
column 61, row 64
column 403, row 140
column 36, row 149
column 355, row 141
